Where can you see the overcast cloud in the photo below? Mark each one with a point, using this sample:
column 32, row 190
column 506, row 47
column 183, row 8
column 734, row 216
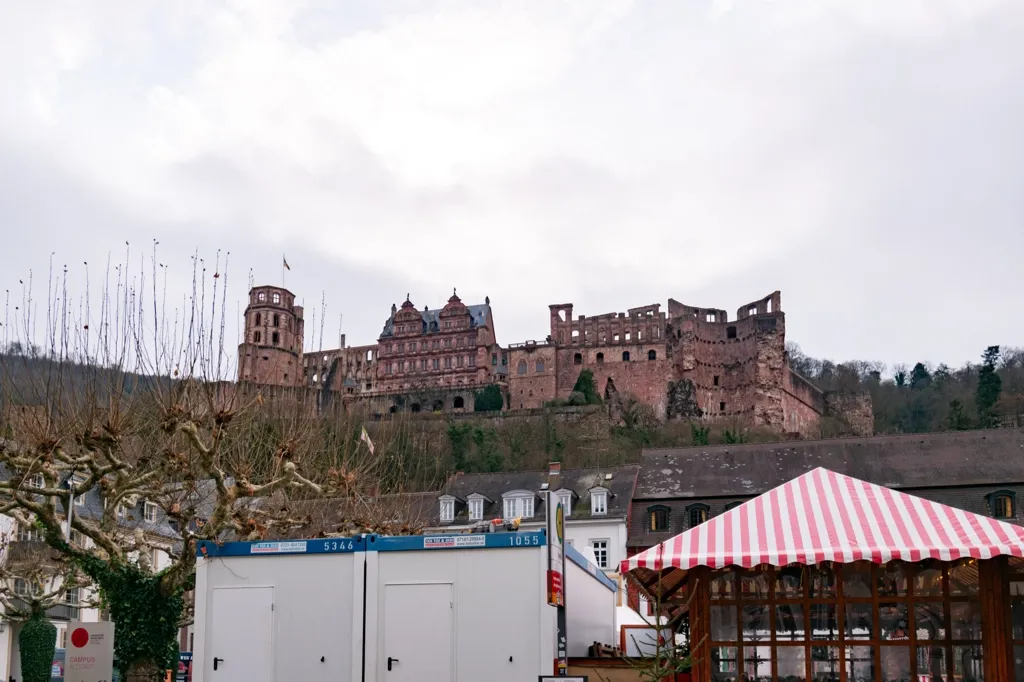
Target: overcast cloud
column 865, row 158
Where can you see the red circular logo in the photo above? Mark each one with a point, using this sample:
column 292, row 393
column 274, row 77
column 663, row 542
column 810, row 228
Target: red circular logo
column 80, row 637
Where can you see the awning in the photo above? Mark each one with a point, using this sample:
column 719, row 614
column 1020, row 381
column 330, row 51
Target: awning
column 825, row 516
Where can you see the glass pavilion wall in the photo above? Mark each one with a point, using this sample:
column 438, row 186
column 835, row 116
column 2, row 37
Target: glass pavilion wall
column 863, row 622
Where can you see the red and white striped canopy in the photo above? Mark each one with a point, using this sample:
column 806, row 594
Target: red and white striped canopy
column 825, row 516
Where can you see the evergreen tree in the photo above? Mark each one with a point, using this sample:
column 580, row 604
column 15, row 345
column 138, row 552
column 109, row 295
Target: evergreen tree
column 957, row 416
column 920, row 377
column 989, row 388
column 586, row 386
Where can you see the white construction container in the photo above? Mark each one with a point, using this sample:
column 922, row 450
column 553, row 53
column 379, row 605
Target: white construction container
column 391, row 609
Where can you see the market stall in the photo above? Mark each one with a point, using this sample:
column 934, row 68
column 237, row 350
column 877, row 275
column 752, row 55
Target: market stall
column 830, row 578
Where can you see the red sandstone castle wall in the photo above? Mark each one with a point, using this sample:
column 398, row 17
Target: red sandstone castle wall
column 532, row 375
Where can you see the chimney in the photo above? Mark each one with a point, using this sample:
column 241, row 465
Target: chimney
column 554, row 468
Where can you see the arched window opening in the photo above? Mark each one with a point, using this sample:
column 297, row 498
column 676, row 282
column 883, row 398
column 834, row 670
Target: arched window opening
column 259, row 319
column 521, row 367
column 697, row 514
column 458, row 403
column 577, row 359
column 1003, row 504
column 657, row 518
column 625, row 356
column 277, row 298
column 652, row 355
column 539, row 367
column 600, row 358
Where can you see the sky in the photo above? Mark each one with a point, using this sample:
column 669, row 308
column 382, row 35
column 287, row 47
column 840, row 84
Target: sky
column 864, row 158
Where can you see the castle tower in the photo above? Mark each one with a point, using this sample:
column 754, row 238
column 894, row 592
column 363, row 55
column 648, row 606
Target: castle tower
column 271, row 352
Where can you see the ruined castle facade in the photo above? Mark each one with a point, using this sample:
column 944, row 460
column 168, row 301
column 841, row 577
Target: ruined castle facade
column 686, row 363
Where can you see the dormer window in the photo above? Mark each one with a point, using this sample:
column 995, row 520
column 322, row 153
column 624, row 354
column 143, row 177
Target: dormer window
column 598, row 502
column 447, row 509
column 1003, row 504
column 517, row 504
column 476, row 506
column 565, row 499
column 697, row 514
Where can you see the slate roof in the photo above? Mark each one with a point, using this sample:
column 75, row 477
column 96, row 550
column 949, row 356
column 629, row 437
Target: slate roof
column 580, row 481
column 478, row 317
column 933, row 460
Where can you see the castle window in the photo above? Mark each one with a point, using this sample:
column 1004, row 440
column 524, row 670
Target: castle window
column 652, row 355
column 447, row 343
column 277, row 320
column 730, row 332
column 539, row 367
column 721, row 407
column 448, row 363
column 752, row 310
column 289, row 324
column 625, row 356
column 256, row 337
column 259, row 319
column 577, row 359
column 472, row 361
column 629, row 336
column 521, row 367
column 1003, row 504
column 657, row 518
column 657, row 332
column 275, row 338
column 387, row 368
column 615, row 338
column 277, row 298
column 494, row 359
column 458, row 361
column 261, row 297
column 423, row 363
column 437, row 363
column 458, row 403
column 697, row 514
column 716, row 380
column 600, row 358
column 710, row 317
column 575, row 335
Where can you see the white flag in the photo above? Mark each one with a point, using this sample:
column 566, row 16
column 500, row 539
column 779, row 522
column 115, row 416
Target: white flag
column 365, row 437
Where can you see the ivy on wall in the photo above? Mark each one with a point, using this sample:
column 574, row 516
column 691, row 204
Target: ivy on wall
column 37, row 641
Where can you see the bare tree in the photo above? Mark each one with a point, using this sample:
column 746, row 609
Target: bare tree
column 126, row 406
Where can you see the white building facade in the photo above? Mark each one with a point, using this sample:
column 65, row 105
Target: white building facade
column 597, row 504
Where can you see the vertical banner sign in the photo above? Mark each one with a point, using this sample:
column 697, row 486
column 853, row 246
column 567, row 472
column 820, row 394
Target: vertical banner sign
column 556, row 577
column 90, row 653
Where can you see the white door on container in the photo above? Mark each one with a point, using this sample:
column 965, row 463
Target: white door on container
column 418, row 633
column 241, row 635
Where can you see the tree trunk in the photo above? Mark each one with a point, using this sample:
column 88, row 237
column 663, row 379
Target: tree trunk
column 144, row 671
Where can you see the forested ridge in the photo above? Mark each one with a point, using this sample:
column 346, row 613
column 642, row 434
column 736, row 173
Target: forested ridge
column 919, row 397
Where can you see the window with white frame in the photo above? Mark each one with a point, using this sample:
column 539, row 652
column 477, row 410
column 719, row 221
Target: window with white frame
column 21, row 587
column 447, row 510
column 29, row 534
column 518, row 506
column 149, row 510
column 77, row 538
column 73, row 597
column 565, row 499
column 35, row 481
column 600, row 548
column 598, row 502
column 476, row 508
